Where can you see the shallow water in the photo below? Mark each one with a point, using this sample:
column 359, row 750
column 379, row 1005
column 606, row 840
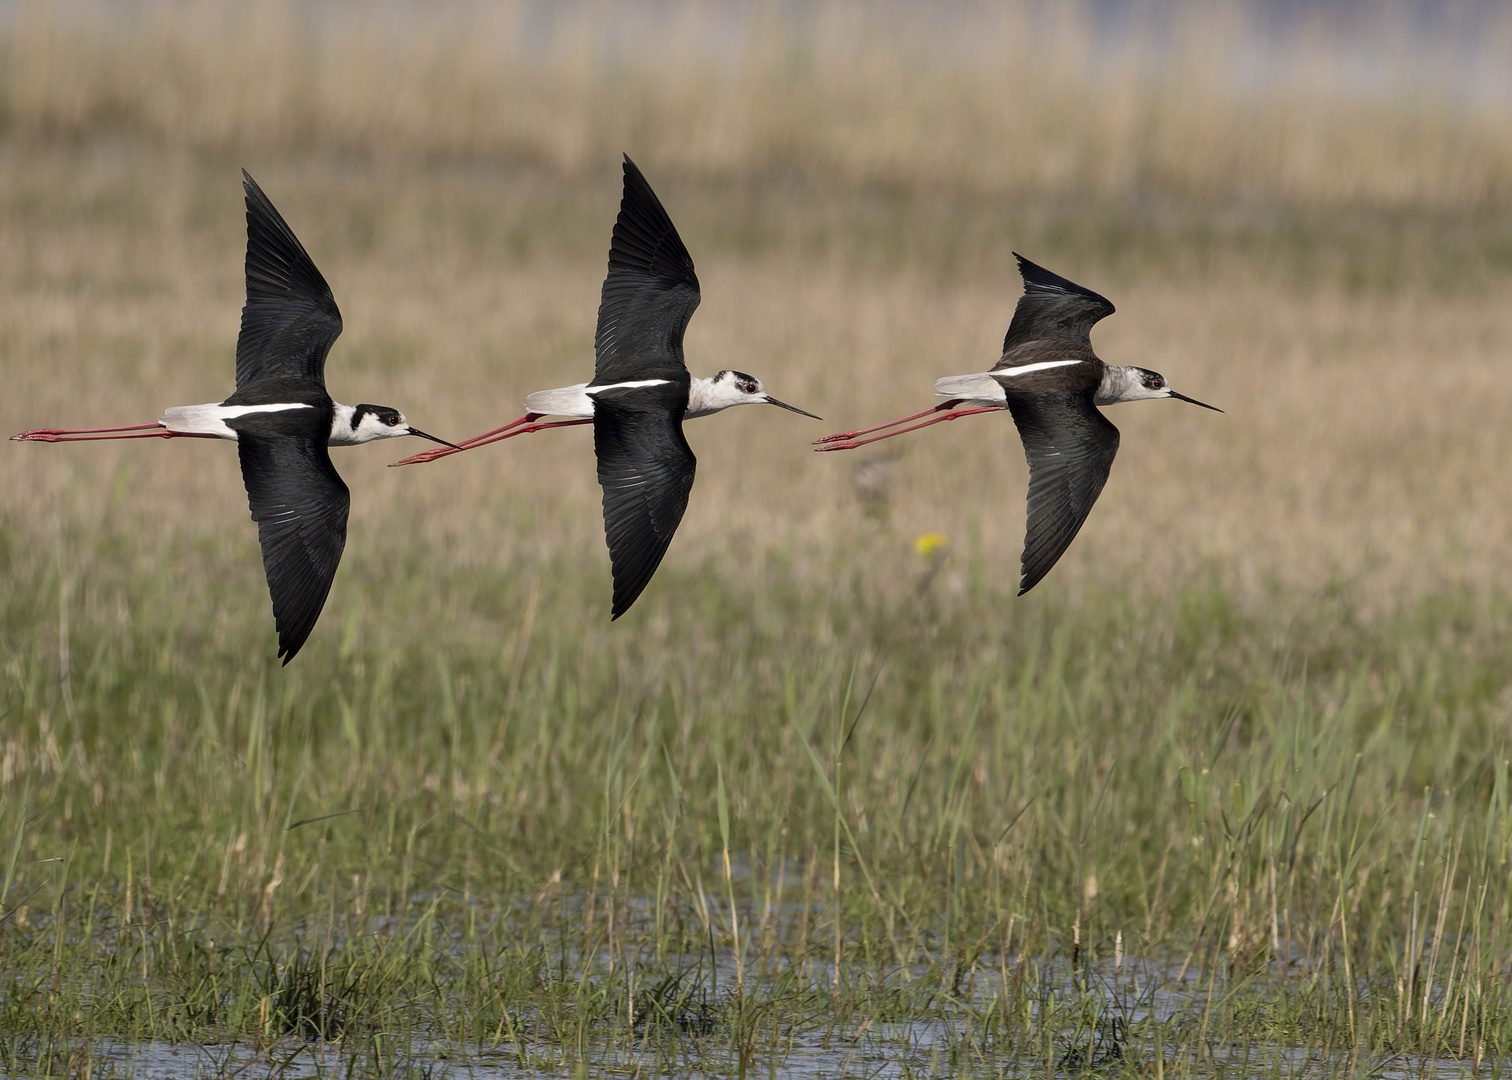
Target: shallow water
column 933, row 1047
column 883, row 1053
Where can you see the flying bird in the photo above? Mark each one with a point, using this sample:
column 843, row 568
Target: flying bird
column 641, row 391
column 1051, row 381
column 282, row 421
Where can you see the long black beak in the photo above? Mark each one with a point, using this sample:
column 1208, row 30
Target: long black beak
column 1178, row 397
column 790, row 408
column 432, row 438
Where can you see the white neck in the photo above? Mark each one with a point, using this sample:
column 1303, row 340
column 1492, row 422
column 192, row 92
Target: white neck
column 368, row 428
column 341, row 427
column 707, row 396
column 1121, row 384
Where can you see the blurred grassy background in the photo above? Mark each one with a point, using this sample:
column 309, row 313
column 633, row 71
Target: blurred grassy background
column 1319, row 249
column 1304, row 216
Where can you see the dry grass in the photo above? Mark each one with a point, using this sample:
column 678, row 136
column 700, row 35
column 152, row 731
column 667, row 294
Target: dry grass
column 1219, row 102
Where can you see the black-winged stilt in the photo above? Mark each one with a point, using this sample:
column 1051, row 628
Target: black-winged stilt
column 1051, row 381
column 641, row 391
column 282, row 420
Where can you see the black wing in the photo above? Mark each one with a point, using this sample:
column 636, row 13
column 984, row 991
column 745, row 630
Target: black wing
column 291, row 319
column 1070, row 447
column 645, row 467
column 649, row 294
column 300, row 505
column 1053, row 307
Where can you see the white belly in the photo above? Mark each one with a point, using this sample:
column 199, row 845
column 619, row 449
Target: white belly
column 576, row 401
column 211, row 419
column 980, row 388
column 984, row 388
column 564, row 401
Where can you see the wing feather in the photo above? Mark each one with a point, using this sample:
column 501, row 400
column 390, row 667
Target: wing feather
column 290, row 319
column 645, row 467
column 1070, row 446
column 300, row 505
column 1053, row 307
column 649, row 294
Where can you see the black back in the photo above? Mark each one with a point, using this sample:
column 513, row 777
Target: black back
column 290, row 320
column 645, row 467
column 1070, row 447
column 300, row 505
column 1053, row 307
column 649, row 294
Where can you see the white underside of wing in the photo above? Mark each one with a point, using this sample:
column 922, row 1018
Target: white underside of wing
column 630, row 385
column 1024, row 369
column 211, row 419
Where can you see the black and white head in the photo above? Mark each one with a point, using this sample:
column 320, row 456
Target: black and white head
column 733, row 388
column 364, row 423
column 1139, row 384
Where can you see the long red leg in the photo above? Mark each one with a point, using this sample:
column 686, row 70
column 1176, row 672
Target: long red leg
column 527, row 418
column 853, row 443
column 484, row 440
column 139, row 431
column 466, row 444
column 846, row 436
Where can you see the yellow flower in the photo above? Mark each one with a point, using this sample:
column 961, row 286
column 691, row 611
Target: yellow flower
column 930, row 543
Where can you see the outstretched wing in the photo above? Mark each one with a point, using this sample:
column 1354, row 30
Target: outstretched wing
column 290, row 320
column 300, row 505
column 650, row 292
column 1053, row 308
column 645, row 467
column 1070, row 446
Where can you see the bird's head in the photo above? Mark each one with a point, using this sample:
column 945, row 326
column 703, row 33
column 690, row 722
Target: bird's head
column 733, row 388
column 369, row 422
column 1139, row 384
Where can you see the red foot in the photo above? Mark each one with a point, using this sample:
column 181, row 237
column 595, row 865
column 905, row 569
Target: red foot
column 426, row 455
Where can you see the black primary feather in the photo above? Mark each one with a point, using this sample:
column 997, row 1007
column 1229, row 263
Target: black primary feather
column 1053, row 307
column 1070, row 446
column 645, row 467
column 290, row 320
column 649, row 294
column 300, row 505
